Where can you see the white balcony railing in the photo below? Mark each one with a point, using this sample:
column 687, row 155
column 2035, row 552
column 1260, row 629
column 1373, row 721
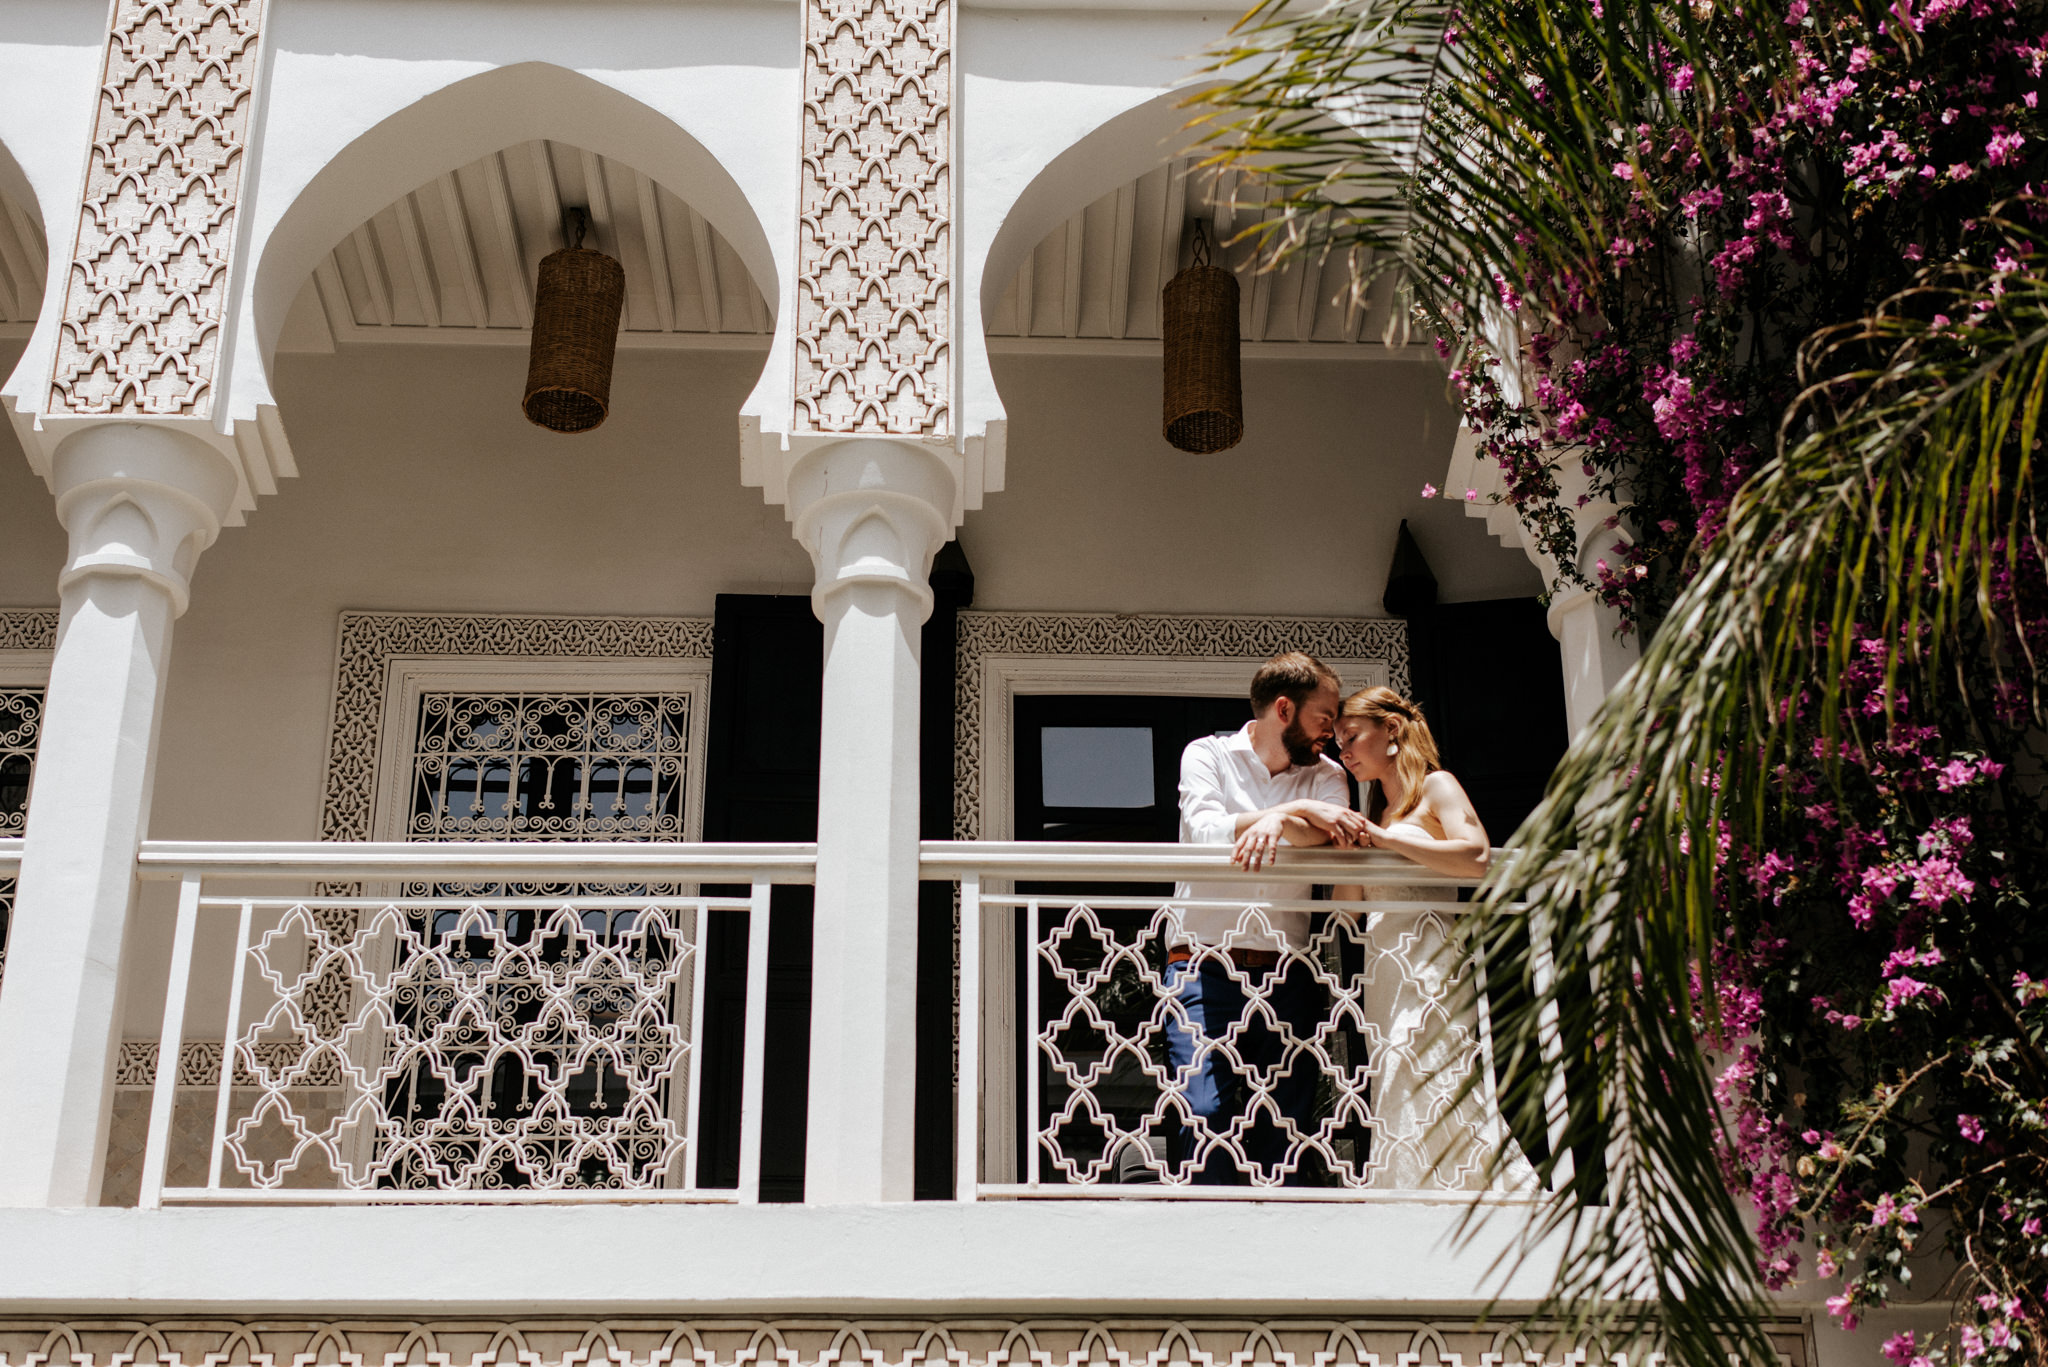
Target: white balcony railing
column 454, row 1022
column 1333, row 1063
column 526, row 1022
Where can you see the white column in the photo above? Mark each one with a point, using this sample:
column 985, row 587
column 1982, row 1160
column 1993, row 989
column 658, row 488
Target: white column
column 1595, row 657
column 872, row 513
column 140, row 503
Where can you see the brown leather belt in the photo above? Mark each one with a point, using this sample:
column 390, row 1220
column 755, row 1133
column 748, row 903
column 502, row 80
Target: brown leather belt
column 1251, row 960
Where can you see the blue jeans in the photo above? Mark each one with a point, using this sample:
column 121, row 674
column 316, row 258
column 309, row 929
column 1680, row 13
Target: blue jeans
column 1218, row 1093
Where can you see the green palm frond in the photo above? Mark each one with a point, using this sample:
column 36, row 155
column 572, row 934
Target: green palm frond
column 1893, row 515
column 1452, row 142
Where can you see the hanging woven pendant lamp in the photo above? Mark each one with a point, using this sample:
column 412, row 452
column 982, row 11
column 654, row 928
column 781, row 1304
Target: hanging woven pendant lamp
column 575, row 335
column 1204, row 397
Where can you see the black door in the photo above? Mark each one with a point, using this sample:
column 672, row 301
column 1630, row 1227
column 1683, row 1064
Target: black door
column 1102, row 767
column 1106, row 766
column 1491, row 683
column 761, row 783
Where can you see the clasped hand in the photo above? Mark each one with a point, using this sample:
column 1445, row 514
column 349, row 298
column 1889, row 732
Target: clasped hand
column 1305, row 822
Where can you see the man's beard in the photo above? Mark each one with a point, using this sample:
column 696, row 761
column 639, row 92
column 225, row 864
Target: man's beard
column 1300, row 749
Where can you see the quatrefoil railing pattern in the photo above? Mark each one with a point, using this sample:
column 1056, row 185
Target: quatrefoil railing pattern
column 1358, row 1060
column 485, row 1039
column 485, row 1048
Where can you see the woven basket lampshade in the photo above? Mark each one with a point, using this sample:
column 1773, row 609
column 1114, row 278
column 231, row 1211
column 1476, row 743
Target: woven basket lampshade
column 575, row 337
column 1204, row 396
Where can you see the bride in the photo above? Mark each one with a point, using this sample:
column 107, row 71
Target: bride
column 1423, row 1134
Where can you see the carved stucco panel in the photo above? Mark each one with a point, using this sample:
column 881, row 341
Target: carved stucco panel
column 28, row 629
column 873, row 329
column 149, row 279
column 823, row 1341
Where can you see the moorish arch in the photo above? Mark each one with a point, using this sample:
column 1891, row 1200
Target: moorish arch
column 1114, row 152
column 1079, row 264
column 24, row 251
column 466, row 122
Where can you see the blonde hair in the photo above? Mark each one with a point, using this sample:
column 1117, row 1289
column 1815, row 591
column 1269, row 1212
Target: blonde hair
column 1406, row 728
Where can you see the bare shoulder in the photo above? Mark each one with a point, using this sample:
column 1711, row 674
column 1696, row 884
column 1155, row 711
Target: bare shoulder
column 1442, row 783
column 1443, row 793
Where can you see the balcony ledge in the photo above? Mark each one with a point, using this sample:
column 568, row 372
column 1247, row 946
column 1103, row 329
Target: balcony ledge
column 1247, row 1258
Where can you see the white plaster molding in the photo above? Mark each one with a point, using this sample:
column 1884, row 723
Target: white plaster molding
column 1486, row 480
column 140, row 501
column 872, row 318
column 873, row 512
column 143, row 292
column 367, row 643
column 1595, row 657
column 1194, row 649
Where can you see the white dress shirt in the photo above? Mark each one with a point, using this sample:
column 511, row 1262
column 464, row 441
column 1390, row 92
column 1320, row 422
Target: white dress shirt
column 1222, row 778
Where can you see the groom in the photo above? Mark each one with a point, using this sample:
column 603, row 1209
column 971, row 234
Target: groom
column 1269, row 784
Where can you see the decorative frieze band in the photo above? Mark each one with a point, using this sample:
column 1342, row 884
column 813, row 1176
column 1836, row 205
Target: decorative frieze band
column 149, row 281
column 28, row 629
column 819, row 1342
column 198, row 1062
column 873, row 326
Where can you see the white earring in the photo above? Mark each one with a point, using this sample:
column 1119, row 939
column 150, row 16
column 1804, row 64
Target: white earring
column 1393, row 748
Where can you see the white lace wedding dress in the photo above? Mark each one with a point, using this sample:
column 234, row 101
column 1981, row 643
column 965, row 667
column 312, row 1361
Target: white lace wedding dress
column 1425, row 1138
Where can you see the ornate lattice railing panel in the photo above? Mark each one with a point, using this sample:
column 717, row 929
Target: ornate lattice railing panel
column 521, row 1022
column 1315, row 1049
column 21, row 726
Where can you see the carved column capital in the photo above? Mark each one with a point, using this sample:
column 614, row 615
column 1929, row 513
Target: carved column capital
column 873, row 512
column 142, row 501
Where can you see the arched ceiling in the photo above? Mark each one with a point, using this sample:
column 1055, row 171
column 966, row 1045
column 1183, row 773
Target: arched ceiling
column 22, row 257
column 455, row 260
column 1096, row 281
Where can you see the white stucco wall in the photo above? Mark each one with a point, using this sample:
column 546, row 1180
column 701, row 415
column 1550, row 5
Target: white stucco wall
column 1300, row 517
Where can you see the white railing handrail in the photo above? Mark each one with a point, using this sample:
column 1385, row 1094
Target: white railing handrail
column 482, row 861
column 10, row 856
column 739, row 862
column 1087, row 861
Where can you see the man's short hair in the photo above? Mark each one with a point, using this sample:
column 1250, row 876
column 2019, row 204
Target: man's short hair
column 1292, row 675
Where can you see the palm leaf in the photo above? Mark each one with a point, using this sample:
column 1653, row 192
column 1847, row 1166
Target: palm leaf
column 1894, row 514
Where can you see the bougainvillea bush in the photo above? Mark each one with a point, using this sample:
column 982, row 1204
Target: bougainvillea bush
column 1767, row 278
column 1883, row 1025
column 1667, row 368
